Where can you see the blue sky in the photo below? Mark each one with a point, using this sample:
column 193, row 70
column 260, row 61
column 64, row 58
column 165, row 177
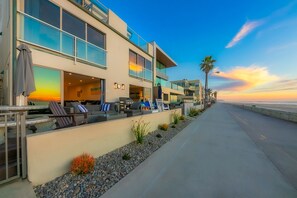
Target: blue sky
column 265, row 30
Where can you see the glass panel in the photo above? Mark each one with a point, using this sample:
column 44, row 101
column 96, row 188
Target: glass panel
column 140, row 61
column 43, row 10
column 148, row 64
column 67, row 44
column 40, row 34
column 136, row 39
column 148, row 75
column 96, row 55
column 136, row 71
column 73, row 25
column 96, row 37
column 81, row 49
column 132, row 57
column 48, row 86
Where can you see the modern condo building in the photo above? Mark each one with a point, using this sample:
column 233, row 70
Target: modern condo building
column 193, row 90
column 81, row 51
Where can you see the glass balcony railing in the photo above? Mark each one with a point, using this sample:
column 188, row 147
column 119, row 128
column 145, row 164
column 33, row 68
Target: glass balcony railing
column 137, row 40
column 165, row 83
column 44, row 35
column 95, row 7
column 142, row 73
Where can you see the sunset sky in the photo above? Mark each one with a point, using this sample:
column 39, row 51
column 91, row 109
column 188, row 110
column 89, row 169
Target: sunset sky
column 254, row 42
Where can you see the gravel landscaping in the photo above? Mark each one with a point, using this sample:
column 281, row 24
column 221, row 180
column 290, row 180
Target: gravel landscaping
column 109, row 168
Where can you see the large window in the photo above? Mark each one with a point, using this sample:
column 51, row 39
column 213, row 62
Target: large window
column 140, row 67
column 96, row 37
column 148, row 64
column 48, row 86
column 43, row 10
column 73, row 25
column 42, row 26
column 132, row 57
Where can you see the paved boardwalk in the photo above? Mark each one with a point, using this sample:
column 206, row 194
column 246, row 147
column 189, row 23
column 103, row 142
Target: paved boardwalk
column 213, row 157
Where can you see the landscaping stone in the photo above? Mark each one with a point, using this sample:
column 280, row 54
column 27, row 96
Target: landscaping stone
column 109, row 168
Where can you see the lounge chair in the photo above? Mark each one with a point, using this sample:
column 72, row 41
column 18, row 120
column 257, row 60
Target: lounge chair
column 63, row 119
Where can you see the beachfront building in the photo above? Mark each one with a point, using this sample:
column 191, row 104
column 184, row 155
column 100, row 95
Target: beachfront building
column 163, row 62
column 81, row 51
column 193, row 90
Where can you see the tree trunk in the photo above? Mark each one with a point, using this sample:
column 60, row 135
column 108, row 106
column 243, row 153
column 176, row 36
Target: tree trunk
column 205, row 90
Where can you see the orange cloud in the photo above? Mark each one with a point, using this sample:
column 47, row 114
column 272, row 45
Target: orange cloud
column 244, row 31
column 259, row 96
column 246, row 78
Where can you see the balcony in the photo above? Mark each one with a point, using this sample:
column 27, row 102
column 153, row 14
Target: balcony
column 140, row 72
column 137, row 39
column 39, row 33
column 161, row 73
column 94, row 7
column 165, row 83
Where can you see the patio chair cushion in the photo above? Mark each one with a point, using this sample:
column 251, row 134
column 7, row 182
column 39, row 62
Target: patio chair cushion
column 75, row 106
column 82, row 108
column 105, row 107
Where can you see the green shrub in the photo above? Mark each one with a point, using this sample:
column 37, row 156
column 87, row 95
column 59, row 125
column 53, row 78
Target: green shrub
column 163, row 127
column 175, row 118
column 194, row 112
column 126, row 156
column 140, row 129
column 182, row 117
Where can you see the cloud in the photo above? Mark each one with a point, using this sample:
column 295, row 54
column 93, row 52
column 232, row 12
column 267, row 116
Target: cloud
column 247, row 28
column 280, row 85
column 245, row 78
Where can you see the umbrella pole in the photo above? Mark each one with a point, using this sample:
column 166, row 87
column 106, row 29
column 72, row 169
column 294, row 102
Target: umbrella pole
column 22, row 101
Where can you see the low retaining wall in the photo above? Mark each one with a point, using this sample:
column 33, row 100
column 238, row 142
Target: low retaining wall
column 50, row 154
column 284, row 115
column 188, row 105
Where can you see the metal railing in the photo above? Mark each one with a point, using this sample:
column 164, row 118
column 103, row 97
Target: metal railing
column 95, row 7
column 39, row 33
column 10, row 147
column 137, row 39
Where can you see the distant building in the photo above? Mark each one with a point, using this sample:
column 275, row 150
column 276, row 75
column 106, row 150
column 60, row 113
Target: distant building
column 193, row 90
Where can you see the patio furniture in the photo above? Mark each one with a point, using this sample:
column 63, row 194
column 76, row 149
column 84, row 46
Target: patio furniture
column 148, row 107
column 135, row 110
column 63, row 119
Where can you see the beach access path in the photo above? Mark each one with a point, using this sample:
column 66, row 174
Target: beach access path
column 226, row 152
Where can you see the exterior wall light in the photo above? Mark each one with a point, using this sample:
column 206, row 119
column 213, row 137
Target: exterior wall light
column 115, row 85
column 119, row 86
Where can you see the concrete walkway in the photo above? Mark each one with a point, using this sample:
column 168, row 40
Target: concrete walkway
column 212, row 157
column 17, row 189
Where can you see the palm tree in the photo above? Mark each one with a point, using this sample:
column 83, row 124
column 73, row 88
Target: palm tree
column 206, row 66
